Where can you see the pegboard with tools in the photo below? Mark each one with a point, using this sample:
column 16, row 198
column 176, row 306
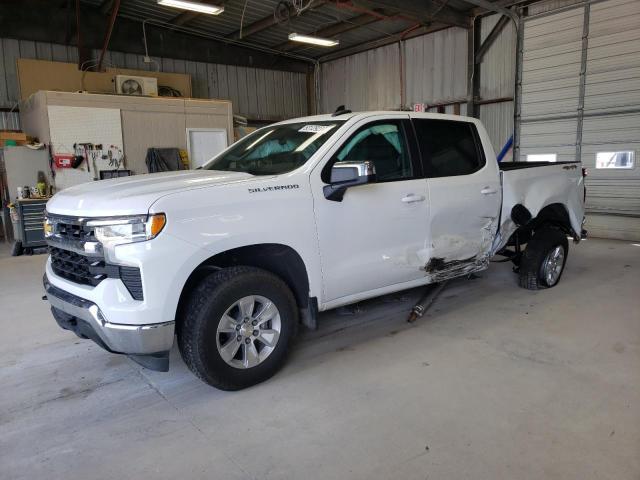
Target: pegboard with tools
column 84, row 142
column 99, row 157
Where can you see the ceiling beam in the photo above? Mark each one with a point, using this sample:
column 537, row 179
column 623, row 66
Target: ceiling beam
column 45, row 22
column 332, row 30
column 425, row 12
column 268, row 22
column 184, row 17
column 500, row 3
column 107, row 34
column 495, row 7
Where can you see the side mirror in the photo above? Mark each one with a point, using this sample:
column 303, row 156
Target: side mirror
column 348, row 174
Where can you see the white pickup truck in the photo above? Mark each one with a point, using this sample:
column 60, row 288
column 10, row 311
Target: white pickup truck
column 299, row 217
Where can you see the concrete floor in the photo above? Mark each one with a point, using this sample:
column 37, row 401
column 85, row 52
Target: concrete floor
column 495, row 382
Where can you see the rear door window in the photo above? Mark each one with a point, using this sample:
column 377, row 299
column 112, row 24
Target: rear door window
column 448, row 148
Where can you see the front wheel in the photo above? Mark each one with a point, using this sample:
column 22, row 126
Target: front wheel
column 543, row 260
column 237, row 327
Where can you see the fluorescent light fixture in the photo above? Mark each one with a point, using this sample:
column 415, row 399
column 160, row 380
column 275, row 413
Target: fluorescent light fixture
column 195, row 6
column 323, row 42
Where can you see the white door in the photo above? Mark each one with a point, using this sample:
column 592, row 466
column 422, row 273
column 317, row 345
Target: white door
column 375, row 237
column 464, row 195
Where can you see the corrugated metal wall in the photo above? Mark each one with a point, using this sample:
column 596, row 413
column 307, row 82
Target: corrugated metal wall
column 256, row 93
column 552, row 54
column 497, row 80
column 436, row 67
column 613, row 86
column 365, row 81
column 435, row 72
column 550, row 5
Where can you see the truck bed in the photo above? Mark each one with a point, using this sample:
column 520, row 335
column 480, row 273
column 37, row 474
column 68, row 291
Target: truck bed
column 536, row 185
column 506, row 166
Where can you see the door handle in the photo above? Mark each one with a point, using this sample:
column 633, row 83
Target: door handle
column 412, row 198
column 488, row 191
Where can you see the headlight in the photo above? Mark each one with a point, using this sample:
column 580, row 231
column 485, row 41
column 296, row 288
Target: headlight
column 121, row 230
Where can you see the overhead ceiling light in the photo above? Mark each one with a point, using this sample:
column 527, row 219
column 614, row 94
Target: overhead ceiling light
column 323, row 42
column 195, row 6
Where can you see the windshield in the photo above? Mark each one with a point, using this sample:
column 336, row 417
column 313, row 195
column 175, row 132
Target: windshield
column 276, row 149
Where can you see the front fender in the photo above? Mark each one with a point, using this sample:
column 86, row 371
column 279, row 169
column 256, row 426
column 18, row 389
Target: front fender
column 217, row 219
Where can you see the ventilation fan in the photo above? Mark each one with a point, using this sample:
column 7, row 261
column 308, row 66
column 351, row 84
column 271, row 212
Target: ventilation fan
column 130, row 85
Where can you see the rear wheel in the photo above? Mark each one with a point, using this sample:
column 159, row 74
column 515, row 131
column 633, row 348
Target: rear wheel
column 237, row 327
column 543, row 261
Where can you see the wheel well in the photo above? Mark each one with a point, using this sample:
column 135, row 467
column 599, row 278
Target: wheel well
column 555, row 214
column 278, row 259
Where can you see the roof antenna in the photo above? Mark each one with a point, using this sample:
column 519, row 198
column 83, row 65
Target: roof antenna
column 341, row 110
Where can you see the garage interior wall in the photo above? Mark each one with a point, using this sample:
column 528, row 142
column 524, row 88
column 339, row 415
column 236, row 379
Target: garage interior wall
column 365, row 81
column 497, row 81
column 580, row 95
column 434, row 72
column 256, row 93
column 434, row 67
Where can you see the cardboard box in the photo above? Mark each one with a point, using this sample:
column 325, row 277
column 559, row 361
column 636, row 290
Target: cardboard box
column 36, row 75
column 19, row 137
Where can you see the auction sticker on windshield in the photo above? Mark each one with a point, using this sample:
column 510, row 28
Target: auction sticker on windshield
column 315, row 128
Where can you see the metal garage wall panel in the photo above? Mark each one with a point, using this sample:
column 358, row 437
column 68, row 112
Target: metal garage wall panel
column 497, row 71
column 612, row 86
column 436, row 66
column 10, row 53
column 551, row 134
column 613, row 58
column 9, row 121
column 497, row 118
column 366, row 81
column 550, row 90
column 283, row 94
column 557, row 137
column 552, row 54
column 497, row 80
column 11, row 50
column 537, row 8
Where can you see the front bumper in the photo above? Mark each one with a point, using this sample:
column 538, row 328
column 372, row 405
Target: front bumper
column 148, row 344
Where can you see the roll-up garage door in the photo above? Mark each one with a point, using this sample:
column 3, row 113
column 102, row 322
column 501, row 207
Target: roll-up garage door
column 594, row 116
column 551, row 59
column 611, row 124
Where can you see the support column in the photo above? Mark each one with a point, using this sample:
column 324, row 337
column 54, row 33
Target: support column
column 583, row 79
column 517, row 104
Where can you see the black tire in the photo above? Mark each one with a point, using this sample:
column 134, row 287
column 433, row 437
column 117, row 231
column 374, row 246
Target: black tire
column 197, row 334
column 543, row 242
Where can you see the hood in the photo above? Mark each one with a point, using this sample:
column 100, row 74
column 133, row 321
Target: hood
column 134, row 195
